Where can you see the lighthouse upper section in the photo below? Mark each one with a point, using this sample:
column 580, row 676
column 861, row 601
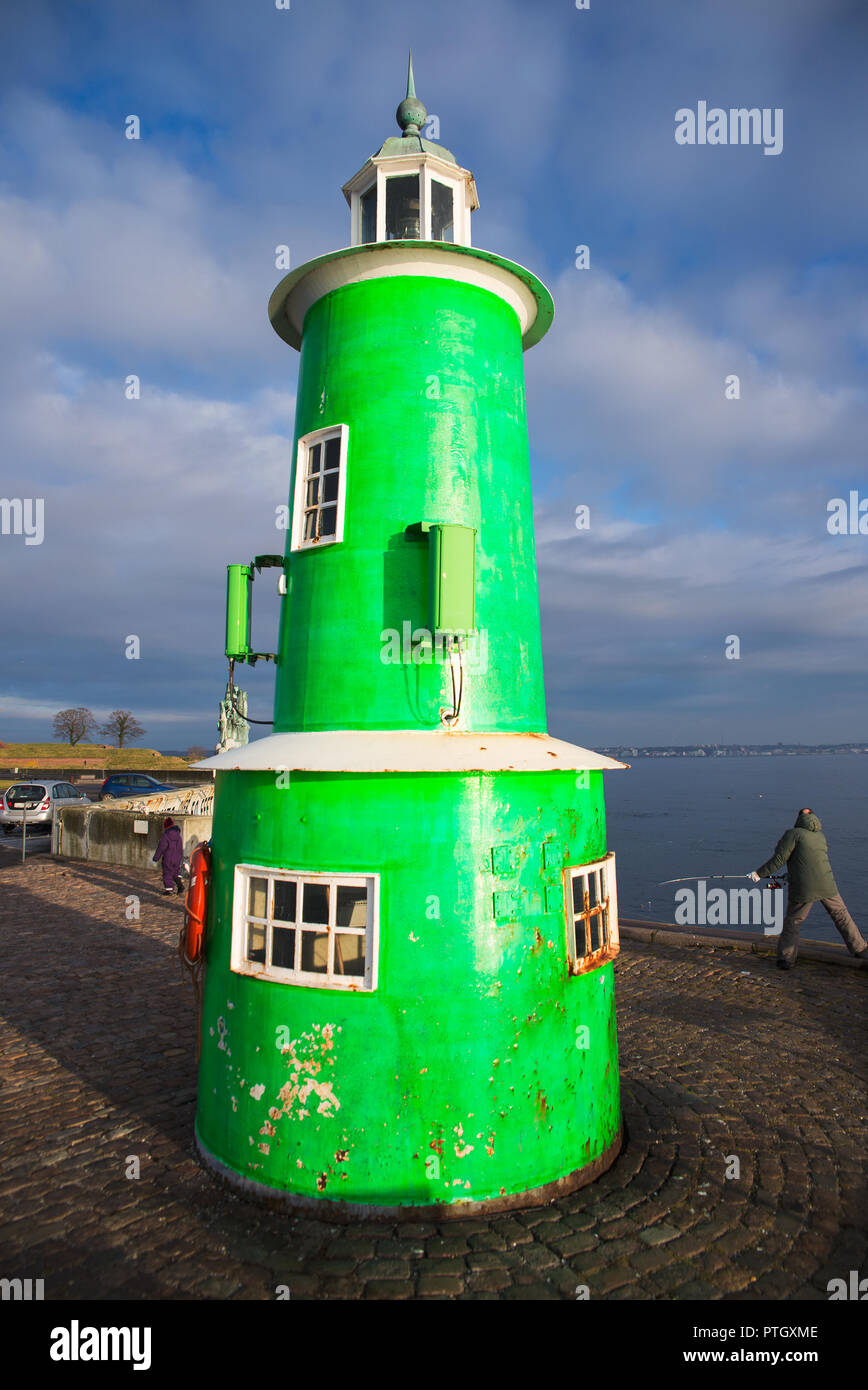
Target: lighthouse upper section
column 411, row 189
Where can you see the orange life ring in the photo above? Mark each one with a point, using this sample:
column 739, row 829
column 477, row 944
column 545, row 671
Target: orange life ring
column 196, row 901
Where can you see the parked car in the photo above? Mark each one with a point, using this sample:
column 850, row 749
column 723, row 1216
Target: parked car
column 39, row 800
column 122, row 784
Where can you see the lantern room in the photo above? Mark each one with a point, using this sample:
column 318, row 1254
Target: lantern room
column 411, row 189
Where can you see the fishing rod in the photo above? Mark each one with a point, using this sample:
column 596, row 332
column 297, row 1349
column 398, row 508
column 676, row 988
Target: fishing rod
column 775, row 881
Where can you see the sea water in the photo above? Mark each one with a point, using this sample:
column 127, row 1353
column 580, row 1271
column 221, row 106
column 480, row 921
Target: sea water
column 671, row 817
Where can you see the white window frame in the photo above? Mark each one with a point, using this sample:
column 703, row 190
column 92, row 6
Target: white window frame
column 298, row 509
column 331, row 979
column 607, row 909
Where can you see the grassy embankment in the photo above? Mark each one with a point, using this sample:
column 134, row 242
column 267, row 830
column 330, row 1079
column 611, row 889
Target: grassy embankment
column 54, row 758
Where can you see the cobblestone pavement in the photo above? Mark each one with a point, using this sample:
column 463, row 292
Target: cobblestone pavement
column 720, row 1055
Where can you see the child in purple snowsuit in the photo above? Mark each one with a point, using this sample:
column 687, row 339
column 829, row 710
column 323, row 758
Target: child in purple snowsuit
column 171, row 851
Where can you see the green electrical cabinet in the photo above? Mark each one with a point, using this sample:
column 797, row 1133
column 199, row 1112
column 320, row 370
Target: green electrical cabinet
column 239, row 583
column 452, row 578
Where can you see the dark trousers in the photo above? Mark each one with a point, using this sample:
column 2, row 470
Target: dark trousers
column 788, row 942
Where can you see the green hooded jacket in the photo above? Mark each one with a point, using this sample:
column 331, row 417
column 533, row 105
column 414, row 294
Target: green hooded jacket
column 806, row 855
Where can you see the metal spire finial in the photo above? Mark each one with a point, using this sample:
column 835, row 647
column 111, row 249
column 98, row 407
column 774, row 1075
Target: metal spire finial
column 411, row 114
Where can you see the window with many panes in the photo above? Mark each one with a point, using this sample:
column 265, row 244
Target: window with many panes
column 320, row 487
column 592, row 914
column 306, row 929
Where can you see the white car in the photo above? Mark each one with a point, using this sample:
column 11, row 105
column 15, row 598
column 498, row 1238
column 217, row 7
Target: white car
column 38, row 800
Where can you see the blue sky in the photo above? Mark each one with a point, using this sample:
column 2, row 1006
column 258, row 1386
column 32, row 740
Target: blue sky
column 156, row 257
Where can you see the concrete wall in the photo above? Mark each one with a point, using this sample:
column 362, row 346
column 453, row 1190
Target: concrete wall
column 112, row 837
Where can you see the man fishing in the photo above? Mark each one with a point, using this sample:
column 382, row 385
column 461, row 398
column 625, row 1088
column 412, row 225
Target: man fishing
column 809, row 880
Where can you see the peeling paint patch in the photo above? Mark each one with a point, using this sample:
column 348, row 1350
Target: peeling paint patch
column 263, row 1148
column 321, row 1182
column 267, row 1128
column 461, row 1149
column 257, row 1092
column 305, row 1066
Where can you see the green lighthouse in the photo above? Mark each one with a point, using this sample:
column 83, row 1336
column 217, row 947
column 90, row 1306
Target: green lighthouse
column 408, row 1001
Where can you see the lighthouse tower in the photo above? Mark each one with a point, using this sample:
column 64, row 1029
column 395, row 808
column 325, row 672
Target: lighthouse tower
column 408, row 1001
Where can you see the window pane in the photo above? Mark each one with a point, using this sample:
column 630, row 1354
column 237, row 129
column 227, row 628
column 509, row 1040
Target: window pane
column 256, row 943
column 310, row 526
column 352, row 906
column 441, row 212
column 593, row 887
column 312, row 493
column 315, row 952
column 369, row 214
column 328, row 521
column 349, row 954
column 257, row 897
column 330, row 487
column 580, row 938
column 313, row 458
column 333, row 453
column 402, row 208
column 283, row 948
column 579, row 893
column 596, row 925
column 284, row 900
column 316, row 903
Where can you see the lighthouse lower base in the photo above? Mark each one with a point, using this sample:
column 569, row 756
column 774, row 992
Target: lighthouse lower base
column 441, row 1211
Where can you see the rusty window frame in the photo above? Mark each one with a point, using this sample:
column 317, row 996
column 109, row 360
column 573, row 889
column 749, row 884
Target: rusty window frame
column 578, row 924
column 329, row 979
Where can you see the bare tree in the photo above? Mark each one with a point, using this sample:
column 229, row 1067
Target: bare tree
column 123, row 726
column 72, row 725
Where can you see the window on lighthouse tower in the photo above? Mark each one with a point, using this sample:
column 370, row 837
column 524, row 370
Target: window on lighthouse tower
column 320, row 488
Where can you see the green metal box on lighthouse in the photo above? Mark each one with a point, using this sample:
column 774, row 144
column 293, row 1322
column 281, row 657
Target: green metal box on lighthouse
column 408, row 999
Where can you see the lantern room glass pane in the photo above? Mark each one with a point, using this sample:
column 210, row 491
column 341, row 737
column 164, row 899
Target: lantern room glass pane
column 402, row 208
column 333, row 452
column 368, row 204
column 442, row 217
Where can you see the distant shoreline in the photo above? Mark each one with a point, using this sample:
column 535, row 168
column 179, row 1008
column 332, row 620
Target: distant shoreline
column 732, row 750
